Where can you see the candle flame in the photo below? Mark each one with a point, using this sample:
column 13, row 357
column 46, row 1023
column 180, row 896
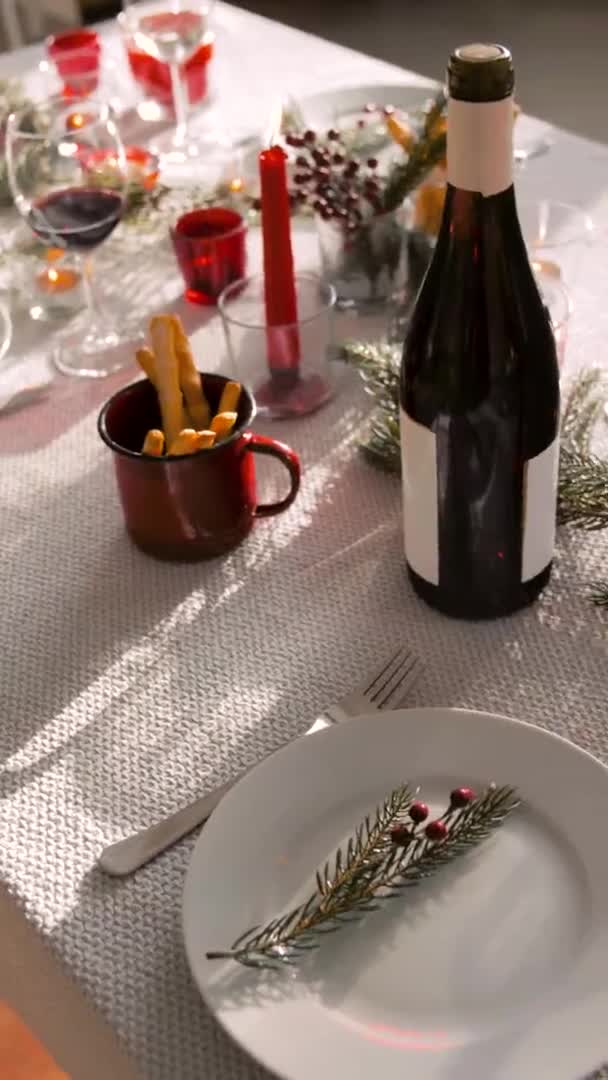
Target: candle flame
column 52, row 275
column 75, row 121
column 237, row 184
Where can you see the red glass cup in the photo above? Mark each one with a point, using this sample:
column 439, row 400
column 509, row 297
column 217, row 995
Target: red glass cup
column 76, row 55
column 154, row 77
column 196, row 506
column 210, row 249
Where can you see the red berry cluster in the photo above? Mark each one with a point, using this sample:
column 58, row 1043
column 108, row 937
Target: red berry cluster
column 437, row 830
column 334, row 183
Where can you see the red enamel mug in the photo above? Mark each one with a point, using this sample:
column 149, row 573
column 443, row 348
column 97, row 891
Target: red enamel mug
column 195, row 506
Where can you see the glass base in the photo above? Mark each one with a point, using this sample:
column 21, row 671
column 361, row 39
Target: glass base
column 92, row 356
column 208, row 149
column 279, row 398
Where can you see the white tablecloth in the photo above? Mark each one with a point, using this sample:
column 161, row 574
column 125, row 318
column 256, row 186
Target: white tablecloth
column 129, row 686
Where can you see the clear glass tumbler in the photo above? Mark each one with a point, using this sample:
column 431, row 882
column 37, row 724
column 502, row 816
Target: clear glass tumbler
column 288, row 366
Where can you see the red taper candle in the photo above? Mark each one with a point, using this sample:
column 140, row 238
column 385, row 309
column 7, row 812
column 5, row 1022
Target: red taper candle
column 283, row 340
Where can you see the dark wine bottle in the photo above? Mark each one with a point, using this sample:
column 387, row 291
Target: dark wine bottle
column 479, row 378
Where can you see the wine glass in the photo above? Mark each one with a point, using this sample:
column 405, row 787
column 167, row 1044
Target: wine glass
column 53, row 152
column 169, row 46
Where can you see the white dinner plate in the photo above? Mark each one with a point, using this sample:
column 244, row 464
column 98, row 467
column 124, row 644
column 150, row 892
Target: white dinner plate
column 343, row 109
column 496, row 969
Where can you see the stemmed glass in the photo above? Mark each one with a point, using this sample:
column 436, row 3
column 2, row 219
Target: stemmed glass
column 53, row 153
column 170, row 34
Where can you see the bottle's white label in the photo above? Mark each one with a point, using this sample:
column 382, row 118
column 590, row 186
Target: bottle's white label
column 480, row 145
column 421, row 506
column 540, row 496
column 420, row 502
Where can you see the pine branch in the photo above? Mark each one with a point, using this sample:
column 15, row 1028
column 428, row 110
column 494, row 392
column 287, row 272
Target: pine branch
column 379, row 365
column 582, row 408
column 583, row 477
column 427, row 151
column 381, row 859
column 583, row 490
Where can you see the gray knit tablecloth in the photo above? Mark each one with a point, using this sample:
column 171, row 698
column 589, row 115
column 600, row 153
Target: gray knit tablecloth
column 129, row 686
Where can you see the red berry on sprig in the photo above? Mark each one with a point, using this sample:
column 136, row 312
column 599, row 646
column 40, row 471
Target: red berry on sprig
column 333, row 135
column 436, row 831
column 461, row 797
column 418, row 811
column 372, row 163
column 401, row 835
column 310, row 136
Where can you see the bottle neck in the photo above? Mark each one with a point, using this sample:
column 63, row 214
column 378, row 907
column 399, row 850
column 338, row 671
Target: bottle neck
column 480, row 145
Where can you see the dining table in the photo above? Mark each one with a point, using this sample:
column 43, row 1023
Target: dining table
column 130, row 686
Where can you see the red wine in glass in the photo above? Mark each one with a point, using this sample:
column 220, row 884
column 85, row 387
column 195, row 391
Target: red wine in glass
column 76, row 217
column 154, row 76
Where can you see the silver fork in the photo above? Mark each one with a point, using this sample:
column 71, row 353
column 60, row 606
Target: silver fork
column 128, row 855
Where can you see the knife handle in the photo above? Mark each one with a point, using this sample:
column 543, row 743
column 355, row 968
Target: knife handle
column 136, row 850
column 126, row 856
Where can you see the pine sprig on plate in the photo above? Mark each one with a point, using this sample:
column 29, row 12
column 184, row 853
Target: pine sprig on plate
column 387, row 854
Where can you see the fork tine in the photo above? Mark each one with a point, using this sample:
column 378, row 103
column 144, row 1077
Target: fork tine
column 391, row 671
column 410, row 672
column 369, row 688
column 387, row 674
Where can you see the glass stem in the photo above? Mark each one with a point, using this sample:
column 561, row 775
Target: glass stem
column 90, row 293
column 180, row 104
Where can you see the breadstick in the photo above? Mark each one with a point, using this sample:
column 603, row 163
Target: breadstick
column 185, row 443
column 399, row 132
column 147, row 362
column 206, row 439
column 223, row 423
column 154, row 443
column 189, row 377
column 167, row 376
column 230, row 397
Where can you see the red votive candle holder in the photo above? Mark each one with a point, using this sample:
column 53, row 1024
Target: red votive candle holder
column 210, row 249
column 76, row 55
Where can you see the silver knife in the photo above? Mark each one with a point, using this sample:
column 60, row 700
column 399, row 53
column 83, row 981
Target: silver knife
column 128, row 855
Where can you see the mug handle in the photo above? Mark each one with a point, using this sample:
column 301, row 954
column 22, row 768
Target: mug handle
column 261, row 444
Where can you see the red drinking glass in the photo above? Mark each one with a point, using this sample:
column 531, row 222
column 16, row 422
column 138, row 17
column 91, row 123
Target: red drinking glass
column 153, row 75
column 76, row 55
column 210, row 249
